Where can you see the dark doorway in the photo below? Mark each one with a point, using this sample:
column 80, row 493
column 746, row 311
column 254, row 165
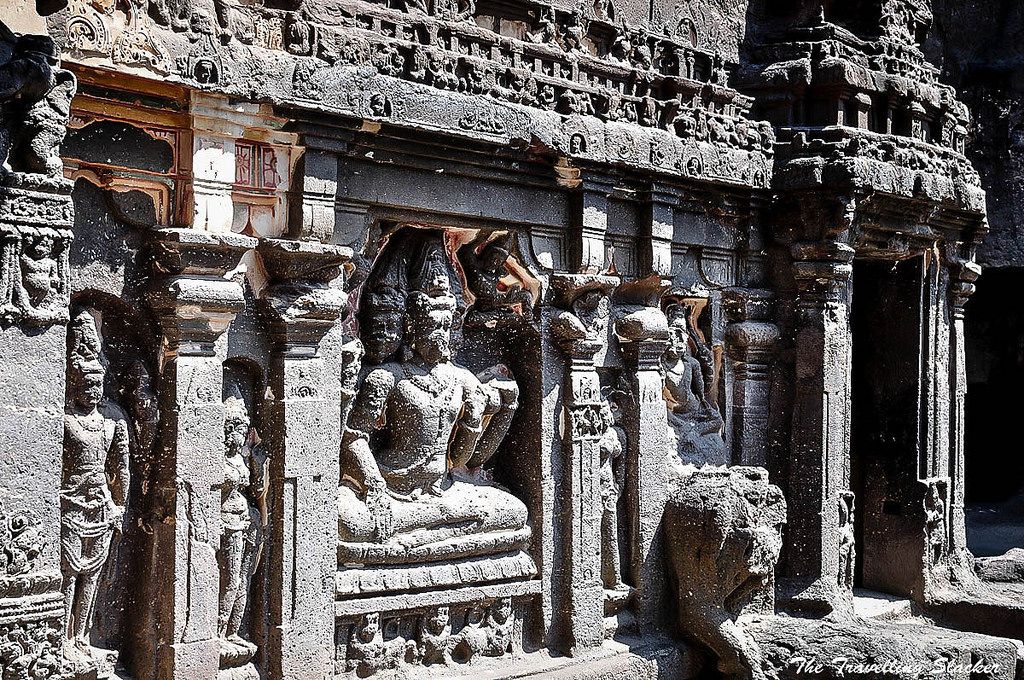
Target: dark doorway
column 886, row 331
column 993, row 459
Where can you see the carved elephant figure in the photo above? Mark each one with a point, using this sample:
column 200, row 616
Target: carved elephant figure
column 723, row 529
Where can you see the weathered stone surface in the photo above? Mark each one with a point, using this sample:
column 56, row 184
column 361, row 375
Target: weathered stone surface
column 434, row 338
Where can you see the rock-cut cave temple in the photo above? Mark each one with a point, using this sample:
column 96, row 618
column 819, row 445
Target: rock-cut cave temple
column 625, row 339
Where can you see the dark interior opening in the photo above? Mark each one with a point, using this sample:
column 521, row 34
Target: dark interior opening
column 886, row 333
column 994, row 466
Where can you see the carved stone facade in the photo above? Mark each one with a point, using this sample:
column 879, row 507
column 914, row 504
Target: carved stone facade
column 436, row 338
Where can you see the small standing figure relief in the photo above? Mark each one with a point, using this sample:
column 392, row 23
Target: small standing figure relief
column 243, row 513
column 935, row 520
column 484, row 266
column 612, row 473
column 368, row 652
column 847, row 539
column 436, row 640
column 35, row 278
column 40, row 271
column 93, row 494
column 499, row 629
column 693, row 416
column 366, row 646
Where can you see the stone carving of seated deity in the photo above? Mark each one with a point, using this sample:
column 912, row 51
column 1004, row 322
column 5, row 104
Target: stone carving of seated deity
column 418, row 433
column 693, row 417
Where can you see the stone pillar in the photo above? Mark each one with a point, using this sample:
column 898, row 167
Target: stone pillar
column 643, row 337
column 592, row 224
column 750, row 340
column 194, row 304
column 963, row 273
column 820, row 437
column 580, row 331
column 34, row 211
column 303, row 440
column 655, row 254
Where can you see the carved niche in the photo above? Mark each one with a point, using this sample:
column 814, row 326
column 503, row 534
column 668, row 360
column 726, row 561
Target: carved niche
column 417, row 507
column 690, row 372
column 94, row 494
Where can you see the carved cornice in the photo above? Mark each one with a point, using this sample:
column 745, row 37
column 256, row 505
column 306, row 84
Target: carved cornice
column 660, row 105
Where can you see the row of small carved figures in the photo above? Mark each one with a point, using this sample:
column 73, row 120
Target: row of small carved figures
column 437, row 636
column 632, row 55
column 30, row 650
column 633, row 48
column 890, row 58
column 900, row 151
column 443, row 70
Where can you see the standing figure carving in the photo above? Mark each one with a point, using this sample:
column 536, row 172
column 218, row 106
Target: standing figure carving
column 242, row 519
column 847, row 540
column 93, row 493
column 612, row 447
column 935, row 520
column 689, row 371
column 420, row 430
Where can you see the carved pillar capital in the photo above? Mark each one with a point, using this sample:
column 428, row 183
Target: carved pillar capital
column 190, row 296
column 750, row 340
column 299, row 302
column 751, row 335
column 643, row 336
column 580, row 330
column 963, row 272
column 642, row 328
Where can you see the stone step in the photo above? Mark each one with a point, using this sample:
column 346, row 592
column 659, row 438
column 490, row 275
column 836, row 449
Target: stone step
column 870, row 604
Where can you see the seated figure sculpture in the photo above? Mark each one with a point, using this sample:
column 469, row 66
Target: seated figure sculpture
column 694, row 418
column 418, row 433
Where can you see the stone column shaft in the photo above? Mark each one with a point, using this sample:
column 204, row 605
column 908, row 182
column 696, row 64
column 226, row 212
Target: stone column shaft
column 643, row 337
column 304, row 441
column 963, row 275
column 581, row 334
column 820, row 451
column 194, row 306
